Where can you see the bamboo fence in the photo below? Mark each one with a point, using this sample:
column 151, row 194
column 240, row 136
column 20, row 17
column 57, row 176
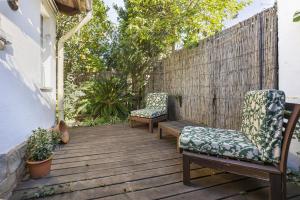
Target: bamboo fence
column 213, row 78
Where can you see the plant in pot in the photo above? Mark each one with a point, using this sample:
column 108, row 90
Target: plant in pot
column 62, row 129
column 40, row 148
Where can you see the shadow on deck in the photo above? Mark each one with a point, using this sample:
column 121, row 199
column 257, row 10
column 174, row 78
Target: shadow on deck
column 118, row 162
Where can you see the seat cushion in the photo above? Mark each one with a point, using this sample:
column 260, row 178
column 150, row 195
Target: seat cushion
column 157, row 101
column 148, row 113
column 262, row 119
column 228, row 143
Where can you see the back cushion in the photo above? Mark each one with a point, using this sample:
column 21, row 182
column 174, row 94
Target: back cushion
column 157, row 101
column 262, row 122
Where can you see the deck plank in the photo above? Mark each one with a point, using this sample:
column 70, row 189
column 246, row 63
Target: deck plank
column 118, row 162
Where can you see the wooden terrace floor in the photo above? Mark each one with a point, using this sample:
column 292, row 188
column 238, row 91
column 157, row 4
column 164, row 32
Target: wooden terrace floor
column 120, row 163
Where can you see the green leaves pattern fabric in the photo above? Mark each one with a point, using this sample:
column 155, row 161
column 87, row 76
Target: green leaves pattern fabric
column 156, row 105
column 157, row 101
column 262, row 120
column 148, row 112
column 260, row 137
column 229, row 143
column 297, row 130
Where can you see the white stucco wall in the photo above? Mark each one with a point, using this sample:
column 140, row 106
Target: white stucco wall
column 289, row 62
column 289, row 49
column 23, row 107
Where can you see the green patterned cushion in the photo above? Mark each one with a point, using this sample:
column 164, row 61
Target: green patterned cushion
column 297, row 130
column 220, row 142
column 148, row 112
column 262, row 119
column 157, row 101
column 156, row 105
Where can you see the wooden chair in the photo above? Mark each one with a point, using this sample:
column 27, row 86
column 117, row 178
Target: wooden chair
column 274, row 173
column 155, row 111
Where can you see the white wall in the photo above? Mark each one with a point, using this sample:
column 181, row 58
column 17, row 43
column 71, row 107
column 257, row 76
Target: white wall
column 23, row 107
column 289, row 61
column 289, row 49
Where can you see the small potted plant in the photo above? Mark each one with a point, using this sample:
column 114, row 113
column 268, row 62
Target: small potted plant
column 62, row 128
column 40, row 148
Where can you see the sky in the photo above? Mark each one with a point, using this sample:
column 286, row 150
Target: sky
column 112, row 13
column 256, row 7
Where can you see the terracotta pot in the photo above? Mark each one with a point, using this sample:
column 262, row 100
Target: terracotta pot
column 63, row 129
column 38, row 169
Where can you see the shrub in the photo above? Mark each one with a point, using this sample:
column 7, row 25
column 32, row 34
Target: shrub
column 41, row 144
column 101, row 121
column 56, row 138
column 105, row 98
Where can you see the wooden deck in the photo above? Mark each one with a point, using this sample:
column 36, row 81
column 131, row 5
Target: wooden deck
column 117, row 162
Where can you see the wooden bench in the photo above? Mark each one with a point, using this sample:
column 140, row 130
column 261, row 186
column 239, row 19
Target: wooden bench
column 174, row 128
column 274, row 173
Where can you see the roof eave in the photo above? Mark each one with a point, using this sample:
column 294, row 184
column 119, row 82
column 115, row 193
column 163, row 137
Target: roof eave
column 73, row 7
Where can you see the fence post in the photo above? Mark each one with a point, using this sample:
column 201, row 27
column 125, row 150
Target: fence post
column 261, row 51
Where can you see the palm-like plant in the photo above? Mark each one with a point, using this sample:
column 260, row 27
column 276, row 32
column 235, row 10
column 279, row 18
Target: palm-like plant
column 105, row 98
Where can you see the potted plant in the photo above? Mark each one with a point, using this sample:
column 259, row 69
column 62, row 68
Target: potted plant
column 40, row 148
column 62, row 128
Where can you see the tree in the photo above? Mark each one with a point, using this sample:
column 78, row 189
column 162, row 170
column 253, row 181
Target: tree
column 150, row 29
column 83, row 53
column 165, row 22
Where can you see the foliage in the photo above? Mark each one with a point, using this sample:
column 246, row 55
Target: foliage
column 101, row 121
column 296, row 17
column 72, row 95
column 105, row 98
column 41, row 144
column 84, row 51
column 162, row 23
column 44, row 191
column 147, row 31
column 83, row 54
column 293, row 176
column 297, row 130
column 56, row 138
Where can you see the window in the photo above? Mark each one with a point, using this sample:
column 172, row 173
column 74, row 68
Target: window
column 47, row 45
column 42, row 51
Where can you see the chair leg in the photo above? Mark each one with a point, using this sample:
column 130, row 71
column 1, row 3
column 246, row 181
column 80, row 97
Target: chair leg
column 177, row 145
column 151, row 126
column 180, row 150
column 159, row 132
column 276, row 187
column 284, row 186
column 130, row 123
column 186, row 170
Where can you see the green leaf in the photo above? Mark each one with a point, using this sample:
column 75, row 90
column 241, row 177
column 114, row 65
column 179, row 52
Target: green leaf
column 296, row 17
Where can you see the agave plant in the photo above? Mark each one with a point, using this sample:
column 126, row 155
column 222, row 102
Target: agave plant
column 105, row 98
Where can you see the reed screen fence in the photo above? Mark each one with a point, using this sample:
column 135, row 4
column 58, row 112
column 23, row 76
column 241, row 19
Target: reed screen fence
column 207, row 84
